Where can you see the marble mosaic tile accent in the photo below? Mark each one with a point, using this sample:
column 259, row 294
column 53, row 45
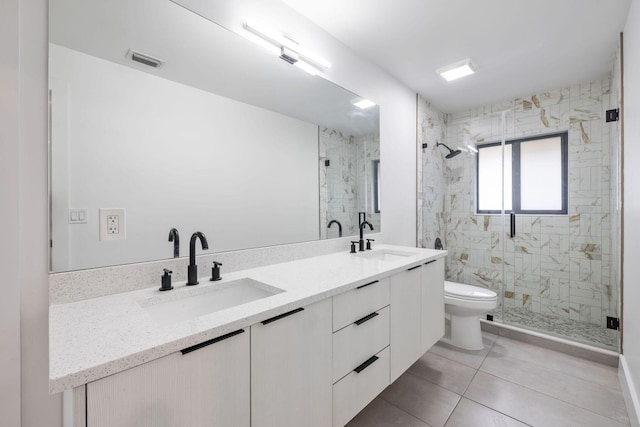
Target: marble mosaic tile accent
column 562, row 266
column 576, row 330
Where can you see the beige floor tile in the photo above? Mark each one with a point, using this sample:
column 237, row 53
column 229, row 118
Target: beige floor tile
column 380, row 413
column 529, row 406
column 585, row 394
column 422, row 399
column 561, row 362
column 444, row 372
column 471, row 414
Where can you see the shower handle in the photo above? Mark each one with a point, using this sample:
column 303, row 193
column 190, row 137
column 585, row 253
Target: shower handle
column 513, row 224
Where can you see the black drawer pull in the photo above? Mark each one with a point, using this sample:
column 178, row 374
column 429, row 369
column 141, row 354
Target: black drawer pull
column 282, row 316
column 429, row 262
column 212, row 341
column 367, row 284
column 365, row 318
column 366, row 364
column 413, row 268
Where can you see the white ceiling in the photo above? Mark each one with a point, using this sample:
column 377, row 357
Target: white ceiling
column 520, row 46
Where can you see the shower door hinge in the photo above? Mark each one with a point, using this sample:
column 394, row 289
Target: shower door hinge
column 613, row 323
column 612, row 115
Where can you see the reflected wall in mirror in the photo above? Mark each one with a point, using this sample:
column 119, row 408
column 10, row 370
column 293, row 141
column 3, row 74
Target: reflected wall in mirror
column 232, row 143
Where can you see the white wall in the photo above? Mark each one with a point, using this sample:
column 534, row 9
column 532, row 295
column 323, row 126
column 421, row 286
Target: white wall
column 243, row 175
column 23, row 191
column 10, row 301
column 631, row 176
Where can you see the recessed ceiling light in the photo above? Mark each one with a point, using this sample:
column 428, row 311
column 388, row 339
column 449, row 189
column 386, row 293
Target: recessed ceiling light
column 457, row 70
column 363, row 103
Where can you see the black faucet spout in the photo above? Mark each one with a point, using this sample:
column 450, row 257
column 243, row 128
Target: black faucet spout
column 174, row 237
column 361, row 242
column 192, row 269
column 334, row 221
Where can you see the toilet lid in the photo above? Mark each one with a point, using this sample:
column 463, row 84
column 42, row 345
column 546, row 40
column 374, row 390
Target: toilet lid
column 460, row 290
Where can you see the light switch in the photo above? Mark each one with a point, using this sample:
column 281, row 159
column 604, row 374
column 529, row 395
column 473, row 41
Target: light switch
column 77, row 216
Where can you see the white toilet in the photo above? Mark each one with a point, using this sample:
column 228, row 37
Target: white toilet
column 463, row 304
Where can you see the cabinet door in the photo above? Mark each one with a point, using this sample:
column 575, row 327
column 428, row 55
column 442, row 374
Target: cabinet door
column 291, row 369
column 208, row 386
column 406, row 311
column 432, row 303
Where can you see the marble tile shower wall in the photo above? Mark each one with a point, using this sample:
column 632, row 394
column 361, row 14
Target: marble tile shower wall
column 369, row 148
column 338, row 183
column 432, row 127
column 558, row 265
column 345, row 183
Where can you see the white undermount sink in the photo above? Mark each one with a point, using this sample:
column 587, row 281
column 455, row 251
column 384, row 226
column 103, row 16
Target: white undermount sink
column 185, row 304
column 385, row 254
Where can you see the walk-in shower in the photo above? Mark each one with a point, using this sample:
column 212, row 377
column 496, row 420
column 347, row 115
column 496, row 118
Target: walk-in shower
column 559, row 273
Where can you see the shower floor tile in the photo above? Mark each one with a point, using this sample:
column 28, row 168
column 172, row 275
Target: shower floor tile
column 560, row 326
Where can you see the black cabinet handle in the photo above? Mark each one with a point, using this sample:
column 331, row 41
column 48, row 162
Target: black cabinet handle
column 429, row 262
column 282, row 316
column 366, row 318
column 212, row 341
column 367, row 284
column 513, row 223
column 413, row 268
column 366, row 364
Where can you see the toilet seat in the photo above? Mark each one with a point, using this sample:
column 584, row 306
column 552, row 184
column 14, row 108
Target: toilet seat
column 462, row 291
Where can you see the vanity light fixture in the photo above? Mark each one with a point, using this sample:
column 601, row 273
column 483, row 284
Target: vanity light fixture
column 363, row 103
column 457, row 70
column 286, row 48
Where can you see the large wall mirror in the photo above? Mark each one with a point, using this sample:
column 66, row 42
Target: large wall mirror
column 222, row 138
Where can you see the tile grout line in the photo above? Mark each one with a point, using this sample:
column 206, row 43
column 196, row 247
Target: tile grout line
column 546, row 395
column 408, row 413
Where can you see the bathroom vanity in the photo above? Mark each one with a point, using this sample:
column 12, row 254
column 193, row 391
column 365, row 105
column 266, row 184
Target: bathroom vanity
column 322, row 337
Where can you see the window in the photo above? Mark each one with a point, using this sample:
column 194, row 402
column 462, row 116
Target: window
column 535, row 176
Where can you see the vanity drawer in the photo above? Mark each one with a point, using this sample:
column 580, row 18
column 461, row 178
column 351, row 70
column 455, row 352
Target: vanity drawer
column 355, row 343
column 355, row 391
column 357, row 303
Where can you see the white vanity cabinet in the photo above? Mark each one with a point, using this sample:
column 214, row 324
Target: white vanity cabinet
column 204, row 385
column 432, row 315
column 360, row 348
column 406, row 319
column 291, row 368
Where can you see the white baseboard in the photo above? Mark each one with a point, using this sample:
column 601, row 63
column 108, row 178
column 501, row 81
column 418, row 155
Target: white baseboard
column 629, row 392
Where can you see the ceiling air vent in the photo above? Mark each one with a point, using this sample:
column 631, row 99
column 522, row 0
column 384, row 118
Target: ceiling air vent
column 145, row 59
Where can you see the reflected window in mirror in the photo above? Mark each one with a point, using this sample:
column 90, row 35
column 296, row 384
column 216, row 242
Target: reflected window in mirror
column 376, row 185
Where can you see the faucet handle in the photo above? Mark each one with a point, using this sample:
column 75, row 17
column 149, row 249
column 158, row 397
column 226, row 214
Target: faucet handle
column 353, row 246
column 369, row 243
column 166, row 280
column 215, row 271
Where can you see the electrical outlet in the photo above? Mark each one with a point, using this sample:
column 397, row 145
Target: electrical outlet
column 112, row 224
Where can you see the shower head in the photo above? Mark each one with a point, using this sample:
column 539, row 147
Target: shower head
column 452, row 153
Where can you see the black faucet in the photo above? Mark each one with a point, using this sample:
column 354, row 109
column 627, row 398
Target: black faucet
column 333, row 221
column 175, row 238
column 361, row 242
column 192, row 270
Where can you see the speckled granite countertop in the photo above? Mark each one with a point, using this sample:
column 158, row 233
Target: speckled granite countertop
column 94, row 338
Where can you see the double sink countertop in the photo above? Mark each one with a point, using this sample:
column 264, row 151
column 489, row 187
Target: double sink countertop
column 98, row 337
